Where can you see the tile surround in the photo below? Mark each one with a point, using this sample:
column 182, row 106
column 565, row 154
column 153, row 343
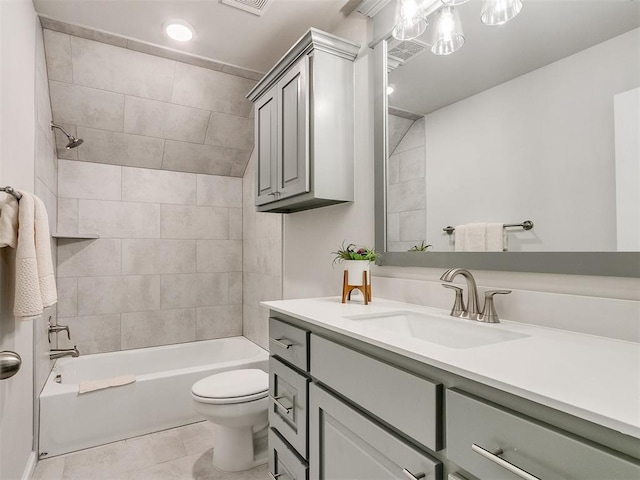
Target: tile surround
column 136, row 107
column 165, row 269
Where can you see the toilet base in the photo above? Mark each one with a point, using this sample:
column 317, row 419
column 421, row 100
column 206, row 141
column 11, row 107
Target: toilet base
column 238, row 449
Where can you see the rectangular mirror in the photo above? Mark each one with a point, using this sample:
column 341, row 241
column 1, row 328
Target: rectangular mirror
column 533, row 121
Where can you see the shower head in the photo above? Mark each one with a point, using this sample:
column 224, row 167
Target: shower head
column 73, row 141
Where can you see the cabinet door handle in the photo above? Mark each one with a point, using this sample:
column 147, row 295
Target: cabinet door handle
column 284, row 342
column 502, row 462
column 279, row 404
column 411, row 476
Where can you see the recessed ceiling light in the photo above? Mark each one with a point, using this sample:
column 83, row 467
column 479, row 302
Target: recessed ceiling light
column 178, row 30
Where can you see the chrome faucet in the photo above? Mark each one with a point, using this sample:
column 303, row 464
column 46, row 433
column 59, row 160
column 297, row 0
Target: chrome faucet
column 64, row 352
column 57, row 329
column 471, row 311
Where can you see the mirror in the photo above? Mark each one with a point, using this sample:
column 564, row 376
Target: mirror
column 535, row 120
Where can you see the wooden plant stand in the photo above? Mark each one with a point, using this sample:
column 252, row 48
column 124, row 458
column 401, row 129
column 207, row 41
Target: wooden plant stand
column 365, row 288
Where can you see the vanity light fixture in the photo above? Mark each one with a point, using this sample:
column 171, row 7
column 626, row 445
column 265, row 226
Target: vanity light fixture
column 178, row 30
column 410, row 21
column 447, row 36
column 499, row 12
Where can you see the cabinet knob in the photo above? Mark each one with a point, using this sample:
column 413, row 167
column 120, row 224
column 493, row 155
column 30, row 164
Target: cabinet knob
column 411, row 476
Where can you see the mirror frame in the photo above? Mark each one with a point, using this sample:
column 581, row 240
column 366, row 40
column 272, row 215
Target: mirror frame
column 611, row 264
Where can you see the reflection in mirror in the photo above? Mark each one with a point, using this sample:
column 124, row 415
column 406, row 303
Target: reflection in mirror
column 536, row 120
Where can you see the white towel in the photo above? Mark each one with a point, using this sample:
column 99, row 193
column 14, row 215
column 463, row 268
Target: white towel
column 92, row 385
column 35, row 282
column 496, row 237
column 9, row 222
column 480, row 237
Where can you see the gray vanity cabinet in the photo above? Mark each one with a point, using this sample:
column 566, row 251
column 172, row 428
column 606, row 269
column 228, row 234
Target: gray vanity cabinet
column 304, row 126
column 494, row 443
column 345, row 444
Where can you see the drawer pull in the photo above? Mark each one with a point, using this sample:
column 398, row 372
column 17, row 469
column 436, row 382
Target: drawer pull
column 411, row 476
column 273, row 477
column 279, row 404
column 502, row 462
column 283, row 342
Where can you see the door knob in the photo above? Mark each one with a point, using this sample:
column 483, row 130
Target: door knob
column 9, row 364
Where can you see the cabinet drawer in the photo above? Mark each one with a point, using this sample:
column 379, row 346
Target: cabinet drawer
column 289, row 343
column 409, row 403
column 284, row 464
column 539, row 449
column 288, row 411
column 346, row 444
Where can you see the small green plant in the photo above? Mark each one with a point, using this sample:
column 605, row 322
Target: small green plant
column 419, row 248
column 355, row 252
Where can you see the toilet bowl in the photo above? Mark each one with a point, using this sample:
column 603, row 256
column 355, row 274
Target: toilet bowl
column 236, row 403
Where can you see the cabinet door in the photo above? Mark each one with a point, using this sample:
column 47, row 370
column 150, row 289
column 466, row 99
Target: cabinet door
column 293, row 122
column 346, row 445
column 266, row 132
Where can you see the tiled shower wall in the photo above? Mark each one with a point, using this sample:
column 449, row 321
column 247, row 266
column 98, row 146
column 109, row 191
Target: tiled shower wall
column 139, row 110
column 406, row 190
column 167, row 267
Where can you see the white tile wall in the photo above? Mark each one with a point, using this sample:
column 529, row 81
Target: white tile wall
column 165, row 269
column 142, row 110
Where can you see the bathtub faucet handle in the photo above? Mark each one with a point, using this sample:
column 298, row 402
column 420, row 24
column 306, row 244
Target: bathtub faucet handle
column 57, row 329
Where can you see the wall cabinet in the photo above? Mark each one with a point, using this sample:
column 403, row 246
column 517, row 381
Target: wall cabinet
column 370, row 413
column 304, row 125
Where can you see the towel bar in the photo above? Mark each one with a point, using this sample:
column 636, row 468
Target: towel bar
column 11, row 191
column 526, row 225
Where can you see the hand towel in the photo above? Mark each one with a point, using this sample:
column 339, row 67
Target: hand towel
column 9, row 222
column 35, row 283
column 475, row 237
column 92, row 385
column 460, row 234
column 496, row 237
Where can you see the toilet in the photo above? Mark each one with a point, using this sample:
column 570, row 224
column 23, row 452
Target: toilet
column 236, row 403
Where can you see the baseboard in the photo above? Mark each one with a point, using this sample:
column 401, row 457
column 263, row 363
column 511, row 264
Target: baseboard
column 30, row 467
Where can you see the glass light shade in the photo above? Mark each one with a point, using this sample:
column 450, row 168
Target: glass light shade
column 453, row 3
column 447, row 35
column 499, row 12
column 410, row 22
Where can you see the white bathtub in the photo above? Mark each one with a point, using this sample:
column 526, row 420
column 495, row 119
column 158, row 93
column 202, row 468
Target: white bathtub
column 159, row 399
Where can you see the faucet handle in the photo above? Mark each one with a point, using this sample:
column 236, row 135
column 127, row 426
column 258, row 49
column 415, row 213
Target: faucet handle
column 489, row 314
column 458, row 304
column 57, row 329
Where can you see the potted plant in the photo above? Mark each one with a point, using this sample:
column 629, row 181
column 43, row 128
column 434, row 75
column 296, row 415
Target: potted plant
column 356, row 259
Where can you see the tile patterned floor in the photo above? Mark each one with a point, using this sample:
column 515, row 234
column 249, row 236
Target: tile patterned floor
column 182, row 453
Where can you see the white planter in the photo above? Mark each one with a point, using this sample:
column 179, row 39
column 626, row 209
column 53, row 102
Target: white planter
column 355, row 269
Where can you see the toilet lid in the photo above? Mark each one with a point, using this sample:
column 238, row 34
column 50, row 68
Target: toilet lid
column 233, row 384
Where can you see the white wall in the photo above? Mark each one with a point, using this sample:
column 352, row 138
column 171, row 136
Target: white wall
column 311, row 236
column 600, row 305
column 518, row 148
column 17, row 126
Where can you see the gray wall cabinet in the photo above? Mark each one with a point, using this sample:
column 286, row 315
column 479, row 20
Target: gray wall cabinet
column 304, row 126
column 371, row 413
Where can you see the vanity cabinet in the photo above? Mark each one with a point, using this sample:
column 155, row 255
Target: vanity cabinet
column 346, row 444
column 495, row 443
column 304, row 126
column 373, row 413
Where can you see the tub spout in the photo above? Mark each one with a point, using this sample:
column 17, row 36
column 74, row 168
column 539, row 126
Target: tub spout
column 65, row 352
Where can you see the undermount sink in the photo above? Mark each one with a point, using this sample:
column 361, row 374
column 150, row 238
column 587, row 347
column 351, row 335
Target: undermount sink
column 443, row 330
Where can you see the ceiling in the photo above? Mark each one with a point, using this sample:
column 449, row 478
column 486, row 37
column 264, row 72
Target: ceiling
column 544, row 32
column 223, row 33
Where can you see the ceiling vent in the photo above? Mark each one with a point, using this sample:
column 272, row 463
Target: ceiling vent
column 405, row 50
column 257, row 7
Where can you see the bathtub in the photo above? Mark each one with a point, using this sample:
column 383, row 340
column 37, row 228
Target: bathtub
column 159, row 399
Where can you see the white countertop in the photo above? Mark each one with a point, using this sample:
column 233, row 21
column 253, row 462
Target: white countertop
column 594, row 378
